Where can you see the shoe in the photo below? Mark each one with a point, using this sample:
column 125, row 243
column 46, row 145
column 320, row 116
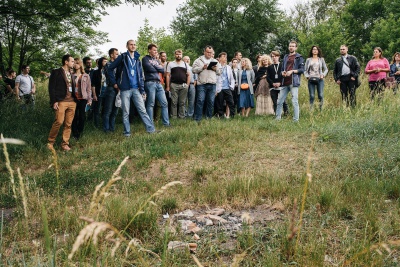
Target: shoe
column 50, row 146
column 66, row 147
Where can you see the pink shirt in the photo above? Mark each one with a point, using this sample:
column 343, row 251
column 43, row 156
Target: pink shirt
column 382, row 63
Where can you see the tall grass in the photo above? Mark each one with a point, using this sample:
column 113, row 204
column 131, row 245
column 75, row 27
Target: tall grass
column 347, row 216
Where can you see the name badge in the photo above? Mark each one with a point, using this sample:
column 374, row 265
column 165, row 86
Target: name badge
column 276, row 76
column 133, row 72
column 70, row 89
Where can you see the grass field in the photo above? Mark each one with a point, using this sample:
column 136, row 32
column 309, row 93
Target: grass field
column 335, row 173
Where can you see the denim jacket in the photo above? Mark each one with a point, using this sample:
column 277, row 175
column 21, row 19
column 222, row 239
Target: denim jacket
column 121, row 77
column 298, row 65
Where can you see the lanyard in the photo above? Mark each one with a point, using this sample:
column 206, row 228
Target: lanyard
column 276, row 69
column 132, row 61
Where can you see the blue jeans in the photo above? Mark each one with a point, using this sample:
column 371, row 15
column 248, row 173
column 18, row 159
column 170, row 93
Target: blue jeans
column 205, row 95
column 110, row 111
column 320, row 91
column 137, row 98
column 190, row 99
column 295, row 101
column 155, row 90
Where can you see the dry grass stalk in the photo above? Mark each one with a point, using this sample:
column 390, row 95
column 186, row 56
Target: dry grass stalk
column 92, row 231
column 8, row 166
column 307, row 180
column 23, row 195
column 196, row 260
column 384, row 245
column 101, row 192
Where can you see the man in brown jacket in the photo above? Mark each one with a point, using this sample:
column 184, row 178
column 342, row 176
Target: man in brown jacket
column 63, row 101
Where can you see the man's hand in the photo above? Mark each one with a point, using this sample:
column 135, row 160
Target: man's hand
column 205, row 66
column 55, row 106
column 352, row 78
column 276, row 85
column 338, row 81
column 95, row 98
column 167, row 88
column 214, row 68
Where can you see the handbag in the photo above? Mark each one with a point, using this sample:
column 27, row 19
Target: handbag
column 244, row 86
column 314, row 80
column 390, row 82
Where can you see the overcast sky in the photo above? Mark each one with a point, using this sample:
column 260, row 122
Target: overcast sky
column 131, row 17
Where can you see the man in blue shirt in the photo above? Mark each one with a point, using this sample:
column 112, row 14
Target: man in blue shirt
column 128, row 79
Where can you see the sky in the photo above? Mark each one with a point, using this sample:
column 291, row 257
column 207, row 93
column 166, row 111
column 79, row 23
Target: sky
column 118, row 18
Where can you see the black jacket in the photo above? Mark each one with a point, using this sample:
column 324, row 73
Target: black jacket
column 353, row 64
column 58, row 86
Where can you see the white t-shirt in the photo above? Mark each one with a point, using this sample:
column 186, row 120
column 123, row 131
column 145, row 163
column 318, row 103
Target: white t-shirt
column 26, row 83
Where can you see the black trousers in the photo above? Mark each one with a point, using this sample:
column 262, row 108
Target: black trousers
column 377, row 88
column 348, row 90
column 79, row 119
column 274, row 96
column 224, row 95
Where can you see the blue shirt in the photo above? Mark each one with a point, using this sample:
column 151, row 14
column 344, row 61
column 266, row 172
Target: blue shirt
column 225, row 80
column 244, row 77
column 133, row 77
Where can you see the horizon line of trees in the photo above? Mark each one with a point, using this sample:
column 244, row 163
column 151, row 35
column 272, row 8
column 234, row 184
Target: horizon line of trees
column 40, row 32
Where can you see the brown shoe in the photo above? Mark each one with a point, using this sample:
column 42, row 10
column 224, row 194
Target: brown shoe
column 66, row 148
column 50, row 146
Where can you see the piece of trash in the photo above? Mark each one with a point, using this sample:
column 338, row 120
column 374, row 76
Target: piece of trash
column 166, row 216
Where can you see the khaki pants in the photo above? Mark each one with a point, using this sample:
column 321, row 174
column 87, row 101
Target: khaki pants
column 64, row 115
column 178, row 98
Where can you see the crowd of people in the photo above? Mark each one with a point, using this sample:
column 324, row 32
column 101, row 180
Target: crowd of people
column 211, row 87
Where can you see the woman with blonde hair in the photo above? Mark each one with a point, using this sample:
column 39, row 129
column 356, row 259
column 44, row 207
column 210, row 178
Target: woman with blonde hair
column 264, row 104
column 83, row 92
column 245, row 87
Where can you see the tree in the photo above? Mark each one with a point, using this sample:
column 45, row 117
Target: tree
column 165, row 42
column 38, row 31
column 227, row 25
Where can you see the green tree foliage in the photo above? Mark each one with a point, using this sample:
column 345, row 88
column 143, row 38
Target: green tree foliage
column 165, row 42
column 227, row 25
column 38, row 32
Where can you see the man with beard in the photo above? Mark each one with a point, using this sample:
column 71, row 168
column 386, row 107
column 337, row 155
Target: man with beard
column 178, row 81
column 292, row 68
column 152, row 84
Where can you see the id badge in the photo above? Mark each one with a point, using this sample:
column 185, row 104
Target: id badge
column 70, row 89
column 276, row 76
column 132, row 72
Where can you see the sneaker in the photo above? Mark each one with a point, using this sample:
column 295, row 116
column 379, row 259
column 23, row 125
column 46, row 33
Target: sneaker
column 66, row 147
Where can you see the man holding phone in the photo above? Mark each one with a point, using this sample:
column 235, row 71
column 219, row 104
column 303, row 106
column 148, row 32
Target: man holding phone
column 206, row 82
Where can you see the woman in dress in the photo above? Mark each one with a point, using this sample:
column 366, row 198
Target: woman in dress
column 395, row 69
column 264, row 105
column 83, row 92
column 377, row 68
column 245, row 87
column 315, row 72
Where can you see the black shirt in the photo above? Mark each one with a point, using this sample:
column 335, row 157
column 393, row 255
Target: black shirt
column 274, row 74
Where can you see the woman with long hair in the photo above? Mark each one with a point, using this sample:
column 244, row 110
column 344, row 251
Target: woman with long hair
column 99, row 85
column 315, row 71
column 264, row 104
column 377, row 68
column 395, row 69
column 83, row 92
column 245, row 87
